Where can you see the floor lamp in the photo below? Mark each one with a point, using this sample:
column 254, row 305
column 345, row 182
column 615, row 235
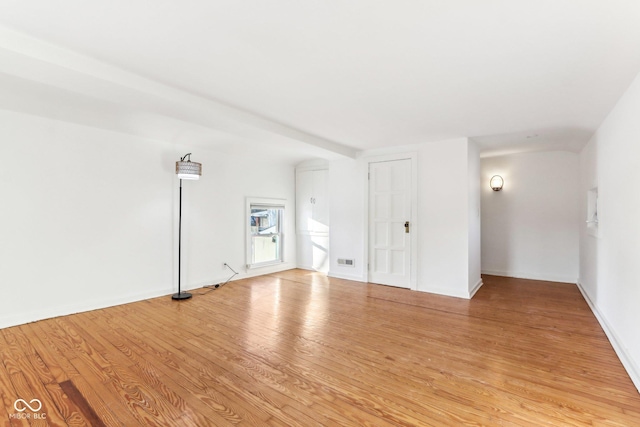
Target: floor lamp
column 185, row 170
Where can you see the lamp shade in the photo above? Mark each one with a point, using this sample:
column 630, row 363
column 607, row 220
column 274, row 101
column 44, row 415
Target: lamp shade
column 496, row 183
column 188, row 169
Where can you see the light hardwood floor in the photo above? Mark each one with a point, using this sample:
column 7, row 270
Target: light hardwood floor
column 299, row 349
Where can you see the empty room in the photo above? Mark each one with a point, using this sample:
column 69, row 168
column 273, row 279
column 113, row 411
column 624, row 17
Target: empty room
column 320, row 213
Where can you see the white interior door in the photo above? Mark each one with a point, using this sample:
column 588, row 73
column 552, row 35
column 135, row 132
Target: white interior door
column 389, row 212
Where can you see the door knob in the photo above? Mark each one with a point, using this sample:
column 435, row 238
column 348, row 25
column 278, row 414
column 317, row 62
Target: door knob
column 406, row 226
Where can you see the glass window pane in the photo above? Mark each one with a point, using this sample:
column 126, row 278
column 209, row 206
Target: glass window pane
column 265, row 220
column 265, row 233
column 266, row 248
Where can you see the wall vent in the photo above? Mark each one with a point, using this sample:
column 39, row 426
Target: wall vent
column 346, row 262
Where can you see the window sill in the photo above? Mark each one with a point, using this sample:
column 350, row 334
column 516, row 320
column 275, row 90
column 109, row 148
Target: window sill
column 264, row 264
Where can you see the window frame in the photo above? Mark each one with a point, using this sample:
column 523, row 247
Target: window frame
column 252, row 203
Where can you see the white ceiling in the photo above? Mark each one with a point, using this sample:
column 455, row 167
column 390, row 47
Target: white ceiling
column 336, row 75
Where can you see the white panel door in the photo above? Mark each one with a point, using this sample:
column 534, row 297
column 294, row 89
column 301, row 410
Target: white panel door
column 389, row 212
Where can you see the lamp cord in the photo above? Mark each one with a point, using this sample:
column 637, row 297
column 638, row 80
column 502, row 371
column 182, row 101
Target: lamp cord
column 210, row 288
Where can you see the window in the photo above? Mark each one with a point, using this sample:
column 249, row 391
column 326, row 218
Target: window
column 265, row 219
column 592, row 212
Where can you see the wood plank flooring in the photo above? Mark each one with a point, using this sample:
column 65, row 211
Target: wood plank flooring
column 299, row 349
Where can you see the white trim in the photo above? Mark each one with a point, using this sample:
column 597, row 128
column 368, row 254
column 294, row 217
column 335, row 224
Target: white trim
column 531, row 276
column 261, row 271
column 413, row 157
column 627, row 361
column 266, row 263
column 254, row 272
column 475, row 288
column 347, row 277
column 275, row 203
column 307, row 267
column 40, row 314
column 446, row 292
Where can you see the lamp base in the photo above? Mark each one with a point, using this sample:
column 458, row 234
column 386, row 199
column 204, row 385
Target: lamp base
column 183, row 295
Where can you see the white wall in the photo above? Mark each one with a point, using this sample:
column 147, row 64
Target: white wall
column 610, row 267
column 443, row 216
column 216, row 232
column 89, row 217
column 444, row 247
column 475, row 223
column 530, row 228
column 588, row 273
column 347, row 187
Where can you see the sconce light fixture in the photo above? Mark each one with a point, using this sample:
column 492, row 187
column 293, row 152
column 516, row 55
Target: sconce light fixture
column 496, row 183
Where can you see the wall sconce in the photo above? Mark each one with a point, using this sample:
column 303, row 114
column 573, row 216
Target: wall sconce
column 496, row 183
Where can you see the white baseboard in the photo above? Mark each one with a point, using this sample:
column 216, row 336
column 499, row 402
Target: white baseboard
column 34, row 316
column 311, row 268
column 353, row 277
column 253, row 272
column 445, row 292
column 531, row 276
column 475, row 288
column 627, row 361
column 267, row 270
column 48, row 313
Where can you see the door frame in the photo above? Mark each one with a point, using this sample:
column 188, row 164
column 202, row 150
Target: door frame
column 413, row 157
